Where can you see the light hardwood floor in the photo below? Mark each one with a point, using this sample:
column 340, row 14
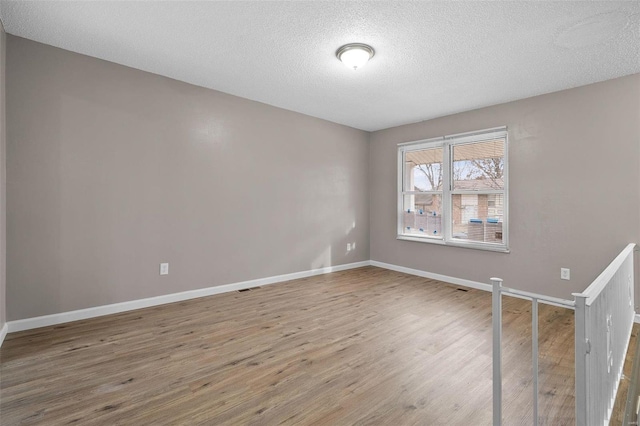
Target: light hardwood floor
column 626, row 386
column 365, row 346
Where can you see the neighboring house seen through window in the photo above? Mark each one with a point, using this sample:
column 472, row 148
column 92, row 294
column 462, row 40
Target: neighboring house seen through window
column 453, row 190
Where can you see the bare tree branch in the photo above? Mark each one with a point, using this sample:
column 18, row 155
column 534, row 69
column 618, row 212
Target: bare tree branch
column 492, row 169
column 432, row 173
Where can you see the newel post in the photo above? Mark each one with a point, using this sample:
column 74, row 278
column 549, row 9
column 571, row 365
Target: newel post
column 582, row 351
column 496, row 318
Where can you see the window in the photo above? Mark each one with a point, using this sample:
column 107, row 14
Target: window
column 453, row 190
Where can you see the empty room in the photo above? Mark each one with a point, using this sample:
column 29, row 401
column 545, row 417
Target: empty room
column 319, row 213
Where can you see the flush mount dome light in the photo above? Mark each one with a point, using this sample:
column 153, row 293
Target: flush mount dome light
column 355, row 55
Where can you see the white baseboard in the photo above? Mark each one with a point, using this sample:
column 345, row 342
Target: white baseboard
column 438, row 277
column 3, row 333
column 63, row 317
column 637, row 318
column 453, row 280
column 47, row 320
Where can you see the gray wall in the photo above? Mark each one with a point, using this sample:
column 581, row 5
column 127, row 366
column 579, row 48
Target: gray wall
column 3, row 163
column 113, row 170
column 574, row 188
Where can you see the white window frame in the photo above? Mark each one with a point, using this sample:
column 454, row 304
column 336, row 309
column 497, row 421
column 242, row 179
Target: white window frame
column 447, row 143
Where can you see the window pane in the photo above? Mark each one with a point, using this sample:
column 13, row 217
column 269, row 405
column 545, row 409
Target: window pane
column 478, row 166
column 423, row 170
column 422, row 215
column 477, row 217
column 472, row 184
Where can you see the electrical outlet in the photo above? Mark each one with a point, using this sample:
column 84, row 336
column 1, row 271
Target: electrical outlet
column 565, row 273
column 348, row 246
column 164, row 269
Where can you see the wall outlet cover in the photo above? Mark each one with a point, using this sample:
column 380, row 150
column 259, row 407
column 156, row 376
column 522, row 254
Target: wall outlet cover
column 164, row 269
column 565, row 273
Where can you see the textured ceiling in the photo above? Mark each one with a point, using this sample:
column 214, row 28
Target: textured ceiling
column 432, row 58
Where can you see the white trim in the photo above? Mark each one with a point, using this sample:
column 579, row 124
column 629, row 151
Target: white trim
column 465, row 283
column 47, row 320
column 563, row 303
column 498, row 248
column 505, row 180
column 446, row 212
column 636, row 319
column 436, row 139
column 499, row 130
column 472, row 192
column 491, row 133
column 606, row 276
column 438, row 277
column 399, row 192
column 63, row 317
column 479, row 136
column 3, row 333
column 447, row 143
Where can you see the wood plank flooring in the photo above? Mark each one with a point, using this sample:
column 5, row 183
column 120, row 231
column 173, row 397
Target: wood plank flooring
column 619, row 408
column 365, row 346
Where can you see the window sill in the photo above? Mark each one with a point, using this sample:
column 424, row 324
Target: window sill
column 499, row 248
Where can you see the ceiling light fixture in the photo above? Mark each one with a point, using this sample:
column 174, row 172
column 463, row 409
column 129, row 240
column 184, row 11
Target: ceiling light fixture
column 355, row 55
